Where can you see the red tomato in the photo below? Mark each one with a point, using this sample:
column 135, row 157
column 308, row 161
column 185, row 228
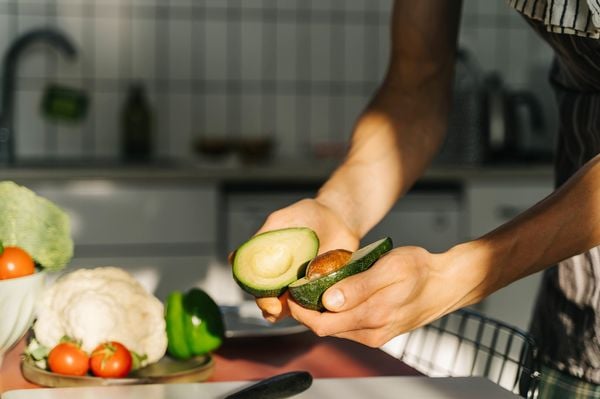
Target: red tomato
column 111, row 360
column 68, row 358
column 14, row 262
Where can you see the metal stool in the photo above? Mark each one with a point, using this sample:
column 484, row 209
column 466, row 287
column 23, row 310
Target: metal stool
column 467, row 343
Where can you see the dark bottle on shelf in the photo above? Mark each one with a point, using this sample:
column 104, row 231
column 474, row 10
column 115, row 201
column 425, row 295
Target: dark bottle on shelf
column 136, row 126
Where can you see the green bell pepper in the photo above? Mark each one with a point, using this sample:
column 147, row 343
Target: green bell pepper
column 194, row 324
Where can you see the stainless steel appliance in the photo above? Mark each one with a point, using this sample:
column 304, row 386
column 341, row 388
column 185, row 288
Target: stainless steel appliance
column 464, row 144
column 511, row 120
column 490, row 122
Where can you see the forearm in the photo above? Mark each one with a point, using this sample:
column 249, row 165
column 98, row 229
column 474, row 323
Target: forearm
column 564, row 224
column 393, row 142
column 403, row 126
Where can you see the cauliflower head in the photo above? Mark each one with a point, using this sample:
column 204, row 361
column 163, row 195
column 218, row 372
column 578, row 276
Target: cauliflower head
column 98, row 305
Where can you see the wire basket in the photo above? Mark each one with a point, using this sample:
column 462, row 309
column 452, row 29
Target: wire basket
column 466, row 343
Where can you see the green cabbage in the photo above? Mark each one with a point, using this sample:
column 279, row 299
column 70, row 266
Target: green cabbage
column 36, row 225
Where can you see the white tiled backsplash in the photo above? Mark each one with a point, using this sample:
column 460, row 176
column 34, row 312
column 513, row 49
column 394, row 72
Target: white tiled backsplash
column 299, row 70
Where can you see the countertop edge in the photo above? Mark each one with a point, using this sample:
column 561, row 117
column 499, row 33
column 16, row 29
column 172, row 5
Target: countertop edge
column 290, row 172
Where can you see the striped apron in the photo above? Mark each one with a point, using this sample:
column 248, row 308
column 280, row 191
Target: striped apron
column 566, row 318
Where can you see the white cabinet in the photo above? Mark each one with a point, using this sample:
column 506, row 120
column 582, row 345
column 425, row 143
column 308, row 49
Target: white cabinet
column 164, row 233
column 491, row 203
column 110, row 213
column 429, row 219
column 245, row 213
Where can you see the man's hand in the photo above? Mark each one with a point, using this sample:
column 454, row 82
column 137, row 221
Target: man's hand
column 331, row 230
column 405, row 289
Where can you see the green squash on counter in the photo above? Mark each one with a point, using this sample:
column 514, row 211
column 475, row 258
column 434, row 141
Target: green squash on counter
column 36, row 225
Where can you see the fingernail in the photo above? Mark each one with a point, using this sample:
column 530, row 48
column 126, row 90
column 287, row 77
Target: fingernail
column 271, row 319
column 335, row 299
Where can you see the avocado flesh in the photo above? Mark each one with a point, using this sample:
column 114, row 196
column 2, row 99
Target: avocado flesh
column 267, row 263
column 309, row 293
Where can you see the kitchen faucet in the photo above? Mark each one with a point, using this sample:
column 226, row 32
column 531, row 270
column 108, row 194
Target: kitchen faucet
column 46, row 35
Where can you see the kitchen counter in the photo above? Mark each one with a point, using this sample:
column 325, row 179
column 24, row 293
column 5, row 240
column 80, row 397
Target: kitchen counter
column 289, row 171
column 257, row 358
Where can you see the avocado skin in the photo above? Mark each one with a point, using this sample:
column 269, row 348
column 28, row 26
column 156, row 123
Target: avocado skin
column 260, row 293
column 280, row 288
column 310, row 293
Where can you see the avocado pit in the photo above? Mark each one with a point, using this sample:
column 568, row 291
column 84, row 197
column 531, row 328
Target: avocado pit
column 326, row 263
column 308, row 291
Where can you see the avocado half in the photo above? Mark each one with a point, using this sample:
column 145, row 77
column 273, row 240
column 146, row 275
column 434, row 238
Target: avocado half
column 267, row 263
column 308, row 293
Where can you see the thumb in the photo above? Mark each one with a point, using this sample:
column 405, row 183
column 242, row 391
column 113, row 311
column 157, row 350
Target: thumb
column 354, row 290
column 334, row 299
column 350, row 292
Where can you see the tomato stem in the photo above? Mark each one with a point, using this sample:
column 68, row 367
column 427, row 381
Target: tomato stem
column 69, row 340
column 107, row 351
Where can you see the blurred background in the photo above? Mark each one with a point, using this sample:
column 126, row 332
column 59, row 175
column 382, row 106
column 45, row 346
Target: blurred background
column 179, row 125
column 297, row 72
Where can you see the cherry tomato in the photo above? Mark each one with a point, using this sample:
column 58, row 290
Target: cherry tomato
column 14, row 262
column 68, row 358
column 111, row 360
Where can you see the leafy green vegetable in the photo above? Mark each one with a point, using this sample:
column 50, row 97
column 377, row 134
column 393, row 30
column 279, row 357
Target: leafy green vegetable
column 38, row 353
column 137, row 360
column 36, row 350
column 36, row 225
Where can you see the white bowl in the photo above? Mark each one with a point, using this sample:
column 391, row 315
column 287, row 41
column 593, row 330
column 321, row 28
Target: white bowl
column 18, row 298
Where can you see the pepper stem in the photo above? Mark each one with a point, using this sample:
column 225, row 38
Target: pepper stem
column 1, row 247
